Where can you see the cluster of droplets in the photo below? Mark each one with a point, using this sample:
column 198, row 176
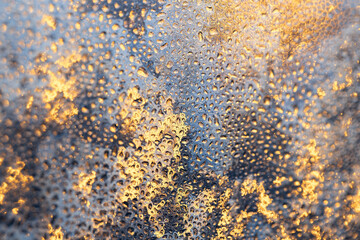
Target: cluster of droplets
column 178, row 119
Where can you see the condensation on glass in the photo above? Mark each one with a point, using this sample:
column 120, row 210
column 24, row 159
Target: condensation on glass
column 198, row 119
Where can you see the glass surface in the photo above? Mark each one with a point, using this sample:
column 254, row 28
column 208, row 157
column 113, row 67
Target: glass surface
column 198, row 119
